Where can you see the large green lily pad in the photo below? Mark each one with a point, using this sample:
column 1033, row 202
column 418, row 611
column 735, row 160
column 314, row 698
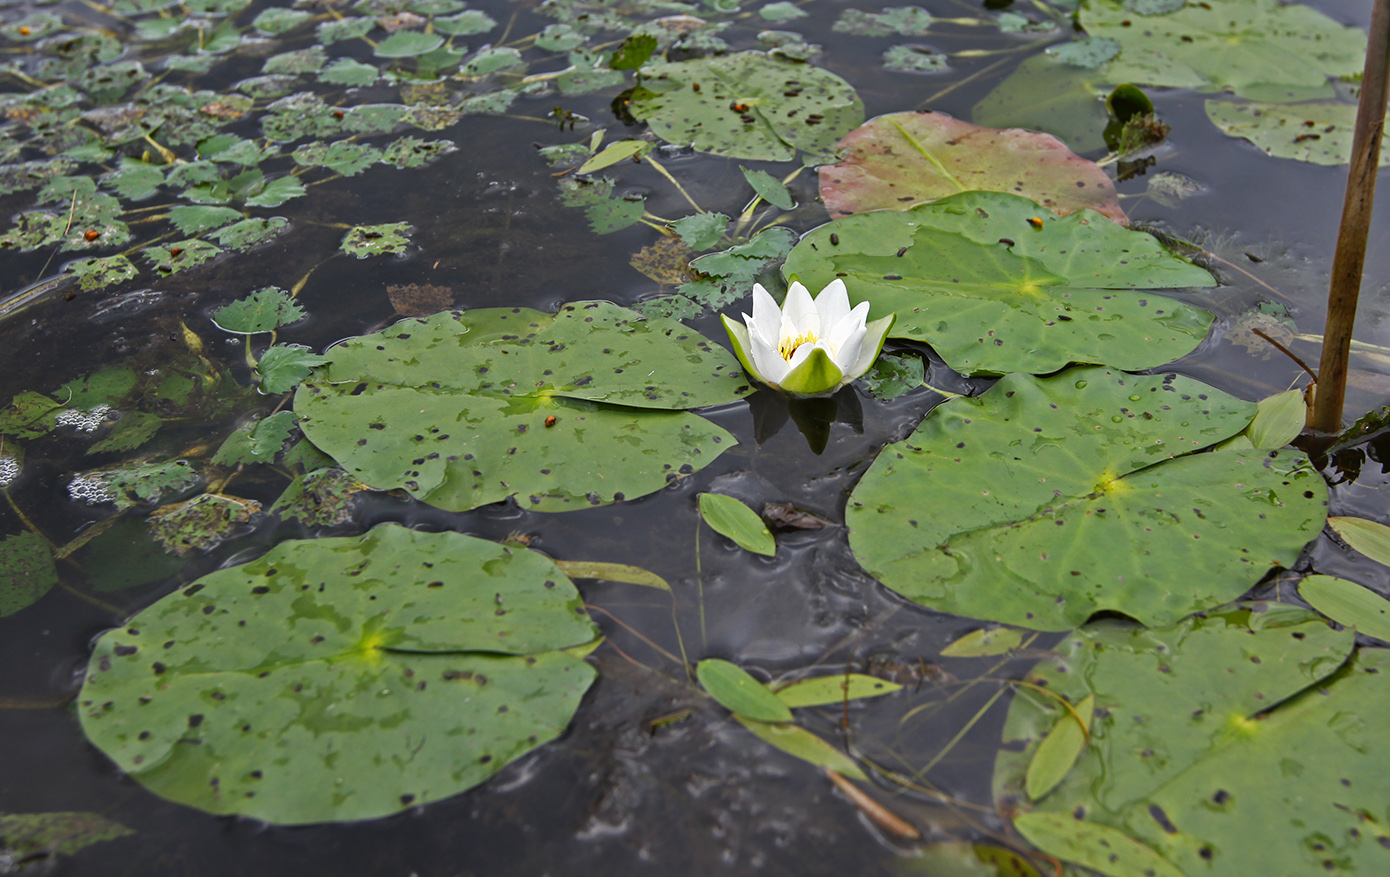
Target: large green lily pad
column 341, row 679
column 562, row 411
column 1229, row 744
column 1260, row 49
column 1318, row 132
column 997, row 284
column 785, row 106
column 1046, row 500
column 901, row 159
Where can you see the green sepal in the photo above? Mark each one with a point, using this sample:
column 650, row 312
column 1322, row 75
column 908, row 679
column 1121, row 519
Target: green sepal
column 738, row 336
column 818, row 375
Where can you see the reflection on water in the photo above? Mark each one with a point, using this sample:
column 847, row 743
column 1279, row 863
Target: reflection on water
column 652, row 775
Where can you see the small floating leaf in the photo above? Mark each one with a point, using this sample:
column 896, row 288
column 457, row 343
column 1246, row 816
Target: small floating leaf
column 1058, row 751
column 984, row 642
column 1371, row 538
column 262, row 311
column 133, row 485
column 96, row 273
column 824, row 690
column 389, row 238
column 179, row 256
column 250, row 232
column 1101, row 847
column 258, row 441
column 1348, row 604
column 612, row 572
column 456, row 637
column 730, row 517
column 190, row 219
column 283, row 366
column 36, row 836
column 319, row 498
column 769, row 188
column 26, row 571
column 1279, row 419
column 407, row 44
column 740, row 693
column 702, row 230
column 633, row 52
column 613, row 153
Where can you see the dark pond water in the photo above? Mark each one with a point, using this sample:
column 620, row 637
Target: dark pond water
column 622, row 791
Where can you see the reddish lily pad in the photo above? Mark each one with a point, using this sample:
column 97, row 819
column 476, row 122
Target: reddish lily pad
column 902, row 159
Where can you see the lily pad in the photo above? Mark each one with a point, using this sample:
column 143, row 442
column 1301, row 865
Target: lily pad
column 26, row 571
column 179, row 256
column 250, row 232
column 562, row 411
column 390, row 238
column 1318, row 132
column 1260, row 49
column 1224, row 744
column 1046, row 500
column 997, row 284
column 407, row 44
column 901, row 159
column 787, row 106
column 297, row 673
column 96, row 273
column 262, row 311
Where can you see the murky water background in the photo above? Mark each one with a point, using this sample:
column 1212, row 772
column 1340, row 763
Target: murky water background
column 619, row 794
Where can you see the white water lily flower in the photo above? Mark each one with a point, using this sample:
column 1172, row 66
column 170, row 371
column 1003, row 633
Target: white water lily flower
column 808, row 347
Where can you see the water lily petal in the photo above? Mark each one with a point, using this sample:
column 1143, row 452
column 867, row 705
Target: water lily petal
column 836, row 333
column 846, row 355
column 816, row 374
column 767, row 317
column 799, row 314
column 742, row 344
column 875, row 334
column 768, row 364
column 833, row 304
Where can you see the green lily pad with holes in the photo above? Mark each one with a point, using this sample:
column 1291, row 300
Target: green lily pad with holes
column 1318, row 132
column 408, row 44
column 901, row 159
column 410, row 152
column 1260, row 49
column 262, row 311
column 26, row 571
column 787, row 106
column 296, row 673
column 179, row 256
column 562, row 411
column 319, row 498
column 997, row 284
column 1234, row 743
column 98, row 272
column 390, row 238
column 1046, row 500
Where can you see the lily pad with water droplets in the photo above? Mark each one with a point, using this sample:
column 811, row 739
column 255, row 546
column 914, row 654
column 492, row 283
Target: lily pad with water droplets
column 786, row 106
column 562, row 411
column 341, row 679
column 901, row 159
column 1046, row 500
column 997, row 284
column 1237, row 743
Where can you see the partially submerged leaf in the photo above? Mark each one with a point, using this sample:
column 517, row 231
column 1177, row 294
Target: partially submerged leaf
column 740, row 693
column 1318, row 132
column 26, row 571
column 283, row 366
column 612, row 572
column 454, row 636
column 131, row 485
column 730, row 517
column 801, row 743
column 391, row 238
column 1046, row 500
column 984, row 642
column 319, row 498
column 996, row 284
column 34, row 836
column 902, row 159
column 769, row 188
column 1105, row 849
column 200, row 523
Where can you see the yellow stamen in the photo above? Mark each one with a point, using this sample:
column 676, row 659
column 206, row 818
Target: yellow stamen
column 788, row 345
